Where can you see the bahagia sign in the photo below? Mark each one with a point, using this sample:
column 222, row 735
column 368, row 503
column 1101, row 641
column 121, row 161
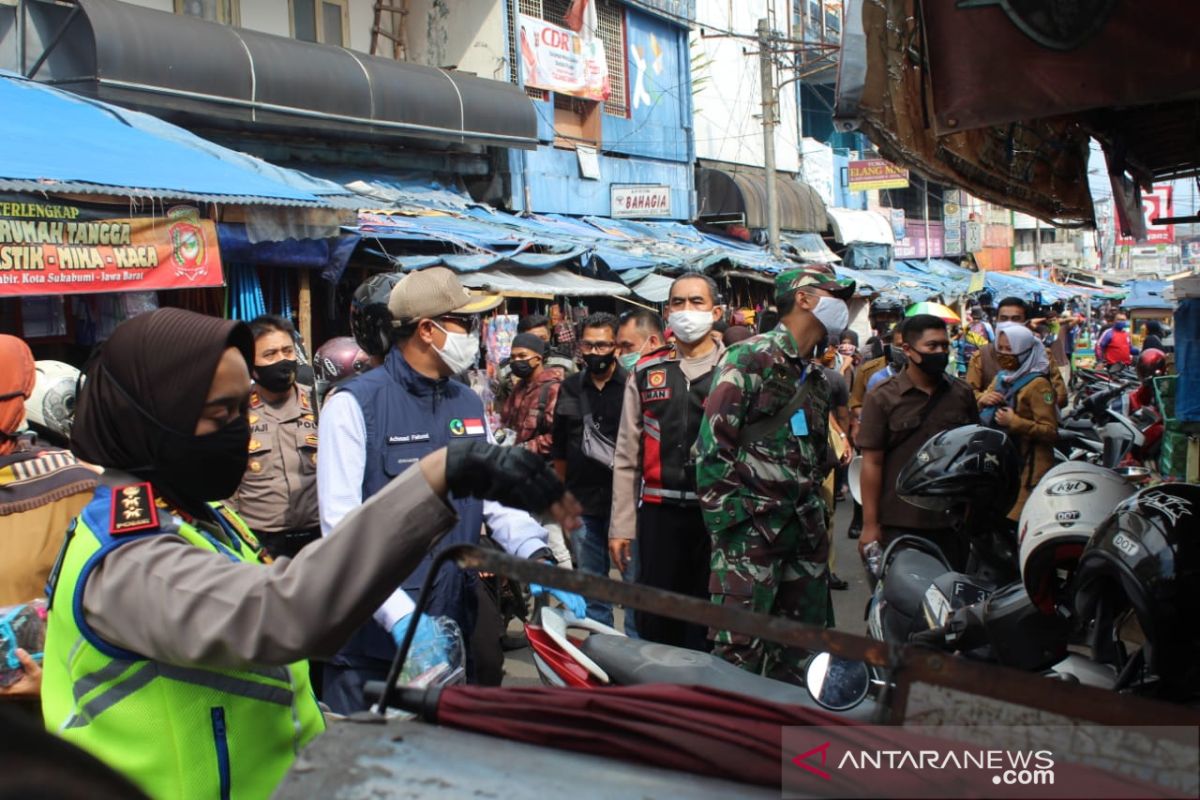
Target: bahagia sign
column 60, row 248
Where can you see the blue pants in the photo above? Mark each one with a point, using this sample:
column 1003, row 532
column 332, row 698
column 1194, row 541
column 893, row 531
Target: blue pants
column 591, row 556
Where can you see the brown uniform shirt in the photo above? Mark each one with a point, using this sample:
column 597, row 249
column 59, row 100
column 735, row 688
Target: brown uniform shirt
column 858, row 389
column 898, row 418
column 1034, row 426
column 279, row 491
column 983, row 368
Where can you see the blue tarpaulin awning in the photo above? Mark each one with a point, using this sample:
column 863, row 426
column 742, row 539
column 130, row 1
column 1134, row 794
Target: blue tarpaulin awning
column 58, row 142
column 1147, row 294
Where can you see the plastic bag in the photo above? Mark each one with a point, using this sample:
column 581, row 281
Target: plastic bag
column 22, row 626
column 437, row 661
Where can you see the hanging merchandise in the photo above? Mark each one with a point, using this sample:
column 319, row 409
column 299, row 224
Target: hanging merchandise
column 245, row 293
column 500, row 332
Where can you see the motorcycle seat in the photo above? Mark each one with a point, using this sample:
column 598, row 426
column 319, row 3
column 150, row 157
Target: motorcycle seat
column 908, row 576
column 636, row 661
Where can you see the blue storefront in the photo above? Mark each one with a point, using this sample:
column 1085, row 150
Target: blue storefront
column 644, row 139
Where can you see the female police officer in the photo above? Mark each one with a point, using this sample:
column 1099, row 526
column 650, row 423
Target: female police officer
column 172, row 653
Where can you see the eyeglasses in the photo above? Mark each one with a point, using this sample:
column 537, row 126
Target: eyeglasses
column 600, row 348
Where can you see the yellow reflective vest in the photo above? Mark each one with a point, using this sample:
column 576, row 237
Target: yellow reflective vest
column 176, row 731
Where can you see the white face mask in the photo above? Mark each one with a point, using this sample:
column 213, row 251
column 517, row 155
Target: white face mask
column 460, row 351
column 690, row 326
column 833, row 314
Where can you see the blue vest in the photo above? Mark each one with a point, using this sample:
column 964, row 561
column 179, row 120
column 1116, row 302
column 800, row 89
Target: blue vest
column 408, row 416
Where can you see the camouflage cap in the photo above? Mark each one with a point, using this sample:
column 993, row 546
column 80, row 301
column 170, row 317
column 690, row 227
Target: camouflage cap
column 814, row 277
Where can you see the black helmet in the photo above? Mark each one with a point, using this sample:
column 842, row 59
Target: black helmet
column 370, row 320
column 1146, row 557
column 971, row 465
column 887, row 305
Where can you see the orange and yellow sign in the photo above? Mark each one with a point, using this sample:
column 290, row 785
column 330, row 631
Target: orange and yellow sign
column 875, row 173
column 56, row 248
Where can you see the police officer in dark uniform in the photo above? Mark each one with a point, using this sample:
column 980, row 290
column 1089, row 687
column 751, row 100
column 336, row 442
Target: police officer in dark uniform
column 278, row 495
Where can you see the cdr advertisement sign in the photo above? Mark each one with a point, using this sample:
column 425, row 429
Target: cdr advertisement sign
column 60, row 248
column 560, row 60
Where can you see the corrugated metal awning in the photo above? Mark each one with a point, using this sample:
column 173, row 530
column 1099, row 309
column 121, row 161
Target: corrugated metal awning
column 743, row 191
column 173, row 64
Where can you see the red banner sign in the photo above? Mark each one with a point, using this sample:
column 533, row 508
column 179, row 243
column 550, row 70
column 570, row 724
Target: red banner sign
column 1154, row 205
column 56, row 248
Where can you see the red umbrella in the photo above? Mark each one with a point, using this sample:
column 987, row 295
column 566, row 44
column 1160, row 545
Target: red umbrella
column 735, row 737
column 689, row 728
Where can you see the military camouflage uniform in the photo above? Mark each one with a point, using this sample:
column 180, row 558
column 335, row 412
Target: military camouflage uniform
column 761, row 501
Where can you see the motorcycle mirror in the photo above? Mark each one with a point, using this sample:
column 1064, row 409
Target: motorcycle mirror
column 854, row 478
column 1135, row 475
column 837, row 684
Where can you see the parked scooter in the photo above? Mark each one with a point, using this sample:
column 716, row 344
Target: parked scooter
column 1004, row 608
column 606, row 657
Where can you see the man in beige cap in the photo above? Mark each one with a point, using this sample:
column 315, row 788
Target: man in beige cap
column 374, row 426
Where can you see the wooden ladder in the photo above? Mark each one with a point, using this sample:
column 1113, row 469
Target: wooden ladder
column 396, row 36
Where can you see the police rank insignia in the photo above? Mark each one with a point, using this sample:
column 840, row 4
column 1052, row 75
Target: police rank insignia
column 255, row 466
column 656, row 378
column 133, row 509
column 311, row 440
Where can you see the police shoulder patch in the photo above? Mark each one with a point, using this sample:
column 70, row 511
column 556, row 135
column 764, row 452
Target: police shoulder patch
column 133, row 509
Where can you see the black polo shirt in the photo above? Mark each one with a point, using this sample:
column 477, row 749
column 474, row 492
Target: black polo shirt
column 589, row 480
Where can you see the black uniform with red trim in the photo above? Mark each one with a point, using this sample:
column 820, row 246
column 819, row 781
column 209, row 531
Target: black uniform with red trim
column 669, row 427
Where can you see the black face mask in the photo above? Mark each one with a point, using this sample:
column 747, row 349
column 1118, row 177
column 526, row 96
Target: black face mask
column 933, row 364
column 203, row 468
column 277, row 377
column 895, row 357
column 598, row 364
column 522, row 369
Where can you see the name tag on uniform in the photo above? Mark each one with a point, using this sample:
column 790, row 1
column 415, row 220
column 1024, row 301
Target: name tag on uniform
column 799, row 423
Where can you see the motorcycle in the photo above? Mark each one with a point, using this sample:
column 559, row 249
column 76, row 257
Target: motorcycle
column 987, row 612
column 607, row 657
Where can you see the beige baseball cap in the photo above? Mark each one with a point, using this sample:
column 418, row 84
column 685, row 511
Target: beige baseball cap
column 432, row 293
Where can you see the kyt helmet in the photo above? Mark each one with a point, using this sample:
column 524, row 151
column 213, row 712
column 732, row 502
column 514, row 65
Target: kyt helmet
column 50, row 408
column 1069, row 503
column 1145, row 558
column 370, row 320
column 972, row 465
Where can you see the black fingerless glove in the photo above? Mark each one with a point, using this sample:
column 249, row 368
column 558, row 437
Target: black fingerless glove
column 511, row 476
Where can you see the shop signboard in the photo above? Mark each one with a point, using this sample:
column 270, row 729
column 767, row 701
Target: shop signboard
column 640, row 200
column 560, row 60
column 675, row 10
column 952, row 220
column 875, row 173
column 914, row 245
column 64, row 248
column 897, row 216
column 1190, row 251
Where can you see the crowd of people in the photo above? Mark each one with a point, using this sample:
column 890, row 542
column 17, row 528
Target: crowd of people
column 226, row 539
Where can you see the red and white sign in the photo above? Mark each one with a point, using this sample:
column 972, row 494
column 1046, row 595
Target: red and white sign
column 560, row 60
column 1154, row 205
column 639, row 201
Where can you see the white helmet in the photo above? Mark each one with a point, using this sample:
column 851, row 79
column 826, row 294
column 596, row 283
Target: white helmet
column 51, row 406
column 1065, row 508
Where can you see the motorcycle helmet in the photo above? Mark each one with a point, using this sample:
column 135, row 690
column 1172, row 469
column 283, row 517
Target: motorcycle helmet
column 1145, row 559
column 1069, row 503
column 50, row 408
column 972, row 465
column 339, row 358
column 883, row 306
column 1151, row 363
column 370, row 320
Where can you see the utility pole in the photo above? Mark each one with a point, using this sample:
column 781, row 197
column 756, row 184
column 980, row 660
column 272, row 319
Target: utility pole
column 1037, row 244
column 767, row 76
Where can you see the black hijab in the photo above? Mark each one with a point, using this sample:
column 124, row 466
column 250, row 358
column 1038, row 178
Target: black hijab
column 159, row 367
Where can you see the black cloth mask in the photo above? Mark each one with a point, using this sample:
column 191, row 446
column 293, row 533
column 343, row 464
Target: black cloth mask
column 895, row 356
column 208, row 467
column 933, row 364
column 598, row 364
column 522, row 369
column 278, row 376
